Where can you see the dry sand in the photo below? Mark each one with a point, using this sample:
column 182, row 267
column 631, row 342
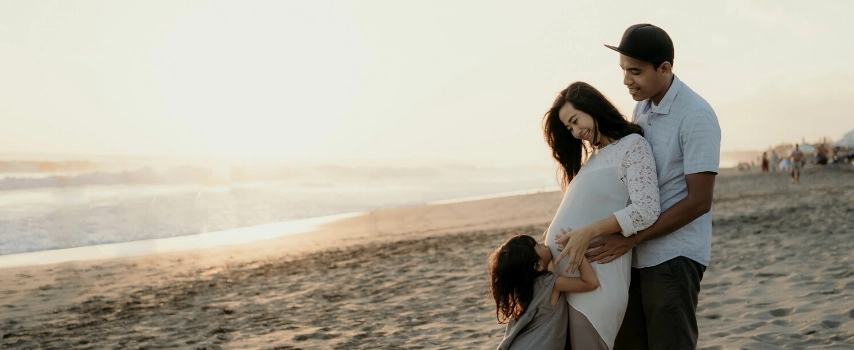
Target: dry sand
column 782, row 276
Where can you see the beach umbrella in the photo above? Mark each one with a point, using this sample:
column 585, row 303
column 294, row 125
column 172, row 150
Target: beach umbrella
column 846, row 141
column 807, row 149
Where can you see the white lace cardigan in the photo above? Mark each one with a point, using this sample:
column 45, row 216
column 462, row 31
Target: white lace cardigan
column 633, row 155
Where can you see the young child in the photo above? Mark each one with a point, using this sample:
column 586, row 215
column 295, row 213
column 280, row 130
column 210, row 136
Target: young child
column 529, row 298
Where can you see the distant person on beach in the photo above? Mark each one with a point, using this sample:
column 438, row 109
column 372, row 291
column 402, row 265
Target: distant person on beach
column 672, row 254
column 614, row 190
column 784, row 164
column 764, row 162
column 774, row 160
column 797, row 162
column 531, row 299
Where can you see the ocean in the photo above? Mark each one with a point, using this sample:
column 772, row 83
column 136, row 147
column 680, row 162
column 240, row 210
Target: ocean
column 62, row 202
column 71, row 207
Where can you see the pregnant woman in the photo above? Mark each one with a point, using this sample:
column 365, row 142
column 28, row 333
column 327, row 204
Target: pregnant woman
column 609, row 187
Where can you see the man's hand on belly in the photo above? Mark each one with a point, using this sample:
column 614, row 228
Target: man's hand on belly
column 610, row 247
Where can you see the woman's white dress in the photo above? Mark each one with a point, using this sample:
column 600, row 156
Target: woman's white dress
column 620, row 180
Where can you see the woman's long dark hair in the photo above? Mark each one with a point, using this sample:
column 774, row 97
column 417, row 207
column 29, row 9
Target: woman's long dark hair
column 566, row 149
column 512, row 272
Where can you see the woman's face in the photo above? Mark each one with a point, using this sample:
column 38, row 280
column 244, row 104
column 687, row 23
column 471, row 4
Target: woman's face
column 578, row 123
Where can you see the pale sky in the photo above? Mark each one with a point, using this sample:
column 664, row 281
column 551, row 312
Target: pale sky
column 424, row 81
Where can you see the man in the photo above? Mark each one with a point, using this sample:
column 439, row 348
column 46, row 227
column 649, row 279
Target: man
column 798, row 161
column 774, row 160
column 671, row 255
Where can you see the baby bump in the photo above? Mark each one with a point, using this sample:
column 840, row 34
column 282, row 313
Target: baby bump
column 560, row 266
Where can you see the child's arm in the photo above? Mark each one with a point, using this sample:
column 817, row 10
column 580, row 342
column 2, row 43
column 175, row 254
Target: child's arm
column 584, row 283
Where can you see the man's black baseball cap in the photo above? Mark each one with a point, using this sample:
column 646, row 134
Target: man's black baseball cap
column 646, row 42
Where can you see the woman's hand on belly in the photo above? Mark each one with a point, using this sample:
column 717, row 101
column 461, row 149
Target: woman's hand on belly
column 574, row 243
column 578, row 241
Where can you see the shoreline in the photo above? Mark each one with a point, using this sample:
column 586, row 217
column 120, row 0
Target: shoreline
column 782, row 274
column 198, row 241
column 207, row 240
column 248, row 234
column 234, row 236
column 299, row 230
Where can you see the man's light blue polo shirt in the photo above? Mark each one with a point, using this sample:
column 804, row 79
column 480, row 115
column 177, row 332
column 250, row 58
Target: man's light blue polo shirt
column 685, row 137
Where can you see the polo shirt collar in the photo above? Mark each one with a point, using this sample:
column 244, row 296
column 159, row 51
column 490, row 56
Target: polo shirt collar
column 667, row 101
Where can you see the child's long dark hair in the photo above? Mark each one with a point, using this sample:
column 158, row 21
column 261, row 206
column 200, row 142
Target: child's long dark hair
column 566, row 150
column 512, row 272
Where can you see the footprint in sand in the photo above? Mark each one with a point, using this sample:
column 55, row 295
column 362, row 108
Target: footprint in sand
column 781, row 312
column 750, row 327
column 720, row 335
column 316, row 335
column 769, row 338
column 771, row 274
column 795, row 335
column 830, row 323
column 844, row 274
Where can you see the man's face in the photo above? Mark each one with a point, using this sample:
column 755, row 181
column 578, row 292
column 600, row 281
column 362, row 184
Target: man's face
column 643, row 79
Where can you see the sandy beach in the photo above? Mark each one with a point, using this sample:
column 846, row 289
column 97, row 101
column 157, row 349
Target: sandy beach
column 782, row 276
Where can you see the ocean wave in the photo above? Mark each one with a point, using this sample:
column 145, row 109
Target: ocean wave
column 32, row 174
column 145, row 175
column 47, row 166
